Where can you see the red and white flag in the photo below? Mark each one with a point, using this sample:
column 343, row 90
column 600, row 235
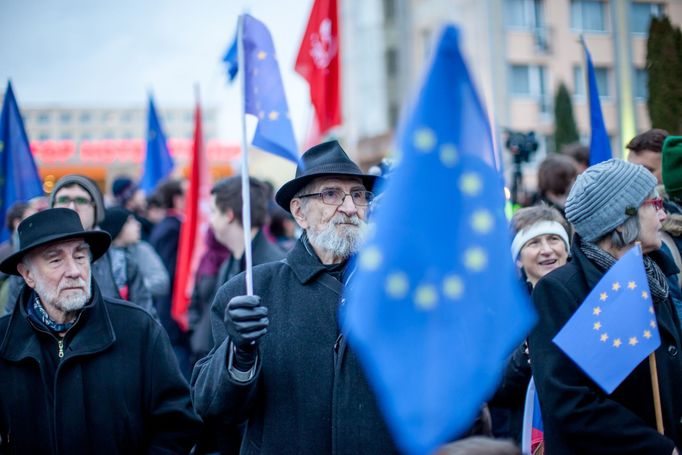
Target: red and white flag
column 194, row 227
column 318, row 62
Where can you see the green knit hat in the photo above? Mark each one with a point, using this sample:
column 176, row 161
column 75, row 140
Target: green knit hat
column 672, row 166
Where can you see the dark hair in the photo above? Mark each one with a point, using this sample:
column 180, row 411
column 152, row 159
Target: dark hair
column 15, row 213
column 167, row 190
column 648, row 140
column 228, row 195
column 556, row 174
column 577, row 151
column 154, row 201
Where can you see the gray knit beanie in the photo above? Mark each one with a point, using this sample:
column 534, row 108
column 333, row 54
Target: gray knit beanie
column 604, row 196
column 88, row 185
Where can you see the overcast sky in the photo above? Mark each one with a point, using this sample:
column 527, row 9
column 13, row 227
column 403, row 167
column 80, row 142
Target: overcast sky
column 111, row 53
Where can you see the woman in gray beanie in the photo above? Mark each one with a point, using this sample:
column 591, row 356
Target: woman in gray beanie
column 611, row 206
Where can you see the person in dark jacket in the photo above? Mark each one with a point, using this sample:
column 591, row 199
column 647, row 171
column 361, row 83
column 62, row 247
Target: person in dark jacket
column 81, row 372
column 80, row 193
column 611, row 206
column 540, row 245
column 279, row 362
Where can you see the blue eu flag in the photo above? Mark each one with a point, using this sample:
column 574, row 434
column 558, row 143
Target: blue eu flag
column 264, row 92
column 230, row 60
column 600, row 146
column 615, row 327
column 19, row 179
column 158, row 163
column 435, row 305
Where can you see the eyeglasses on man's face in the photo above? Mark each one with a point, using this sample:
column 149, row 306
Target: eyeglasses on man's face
column 361, row 198
column 65, row 201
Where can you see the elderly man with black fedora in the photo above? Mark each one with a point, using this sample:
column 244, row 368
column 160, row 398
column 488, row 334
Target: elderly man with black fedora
column 80, row 372
column 279, row 362
column 611, row 206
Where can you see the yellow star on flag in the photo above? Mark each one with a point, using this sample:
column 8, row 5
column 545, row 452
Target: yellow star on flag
column 633, row 341
column 604, row 337
column 603, row 296
column 652, row 324
column 645, row 295
column 631, row 285
column 597, row 325
column 651, row 309
column 647, row 334
column 261, row 55
column 616, row 286
column 617, row 343
column 274, row 115
column 596, row 311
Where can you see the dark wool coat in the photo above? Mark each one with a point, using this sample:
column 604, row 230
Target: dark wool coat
column 578, row 417
column 309, row 395
column 117, row 390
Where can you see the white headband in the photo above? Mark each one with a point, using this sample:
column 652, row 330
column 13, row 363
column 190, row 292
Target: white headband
column 541, row 228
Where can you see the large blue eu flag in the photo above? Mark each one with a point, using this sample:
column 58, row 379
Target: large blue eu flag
column 264, row 94
column 158, row 163
column 600, row 146
column 435, row 305
column 19, row 179
column 615, row 327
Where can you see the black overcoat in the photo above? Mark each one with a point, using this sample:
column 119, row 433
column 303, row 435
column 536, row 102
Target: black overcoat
column 578, row 417
column 116, row 390
column 309, row 395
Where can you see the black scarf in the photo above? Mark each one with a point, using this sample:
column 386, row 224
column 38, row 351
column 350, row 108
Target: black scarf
column 657, row 281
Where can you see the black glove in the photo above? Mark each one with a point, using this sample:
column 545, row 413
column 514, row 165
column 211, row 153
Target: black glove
column 246, row 321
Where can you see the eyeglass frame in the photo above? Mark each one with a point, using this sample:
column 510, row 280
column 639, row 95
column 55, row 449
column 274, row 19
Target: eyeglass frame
column 343, row 199
column 78, row 201
column 656, row 202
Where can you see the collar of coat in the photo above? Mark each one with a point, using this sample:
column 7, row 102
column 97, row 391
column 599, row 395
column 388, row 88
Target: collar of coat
column 92, row 333
column 306, row 265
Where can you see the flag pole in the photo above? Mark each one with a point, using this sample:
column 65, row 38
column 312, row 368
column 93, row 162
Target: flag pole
column 657, row 393
column 246, row 190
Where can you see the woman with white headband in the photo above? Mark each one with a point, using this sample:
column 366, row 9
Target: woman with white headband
column 541, row 241
column 540, row 245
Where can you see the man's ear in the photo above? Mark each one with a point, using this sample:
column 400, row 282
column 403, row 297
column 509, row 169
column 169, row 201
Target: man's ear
column 229, row 214
column 26, row 274
column 298, row 213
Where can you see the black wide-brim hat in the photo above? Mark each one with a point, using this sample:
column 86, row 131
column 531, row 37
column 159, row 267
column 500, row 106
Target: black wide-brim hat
column 324, row 160
column 53, row 225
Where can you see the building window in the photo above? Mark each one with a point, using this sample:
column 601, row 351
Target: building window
column 524, row 14
column 43, row 117
column 588, row 15
column 530, row 81
column 392, row 62
column 389, row 10
column 641, row 79
column 65, row 117
column 43, row 136
column 127, row 117
column 86, row 117
column 641, row 14
column 66, row 136
column 602, row 76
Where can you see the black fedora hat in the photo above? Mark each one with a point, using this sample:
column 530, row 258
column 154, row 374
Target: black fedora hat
column 326, row 159
column 53, row 225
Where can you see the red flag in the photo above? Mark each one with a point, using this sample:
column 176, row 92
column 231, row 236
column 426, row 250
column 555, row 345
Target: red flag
column 318, row 62
column 193, row 228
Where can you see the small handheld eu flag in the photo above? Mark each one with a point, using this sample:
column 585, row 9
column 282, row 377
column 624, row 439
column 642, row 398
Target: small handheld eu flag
column 615, row 327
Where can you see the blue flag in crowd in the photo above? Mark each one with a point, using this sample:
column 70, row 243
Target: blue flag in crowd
column 264, row 92
column 435, row 305
column 615, row 327
column 19, row 179
column 158, row 163
column 230, row 59
column 600, row 146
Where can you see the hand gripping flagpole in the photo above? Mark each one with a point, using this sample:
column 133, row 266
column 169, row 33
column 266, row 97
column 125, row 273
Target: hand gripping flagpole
column 246, row 190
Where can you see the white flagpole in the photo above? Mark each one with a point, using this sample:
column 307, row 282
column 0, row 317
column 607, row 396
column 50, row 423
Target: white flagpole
column 246, row 189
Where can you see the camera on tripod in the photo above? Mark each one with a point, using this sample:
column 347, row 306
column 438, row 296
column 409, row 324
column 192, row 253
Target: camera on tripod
column 521, row 145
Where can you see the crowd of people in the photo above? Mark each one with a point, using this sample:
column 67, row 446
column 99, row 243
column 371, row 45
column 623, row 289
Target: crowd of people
column 91, row 360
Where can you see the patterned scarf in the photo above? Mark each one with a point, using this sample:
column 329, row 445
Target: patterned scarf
column 657, row 281
column 38, row 314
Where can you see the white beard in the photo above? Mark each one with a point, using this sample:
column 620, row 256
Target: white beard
column 340, row 243
column 74, row 301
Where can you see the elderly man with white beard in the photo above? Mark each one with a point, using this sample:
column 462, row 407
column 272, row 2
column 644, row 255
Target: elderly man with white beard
column 279, row 362
column 79, row 372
